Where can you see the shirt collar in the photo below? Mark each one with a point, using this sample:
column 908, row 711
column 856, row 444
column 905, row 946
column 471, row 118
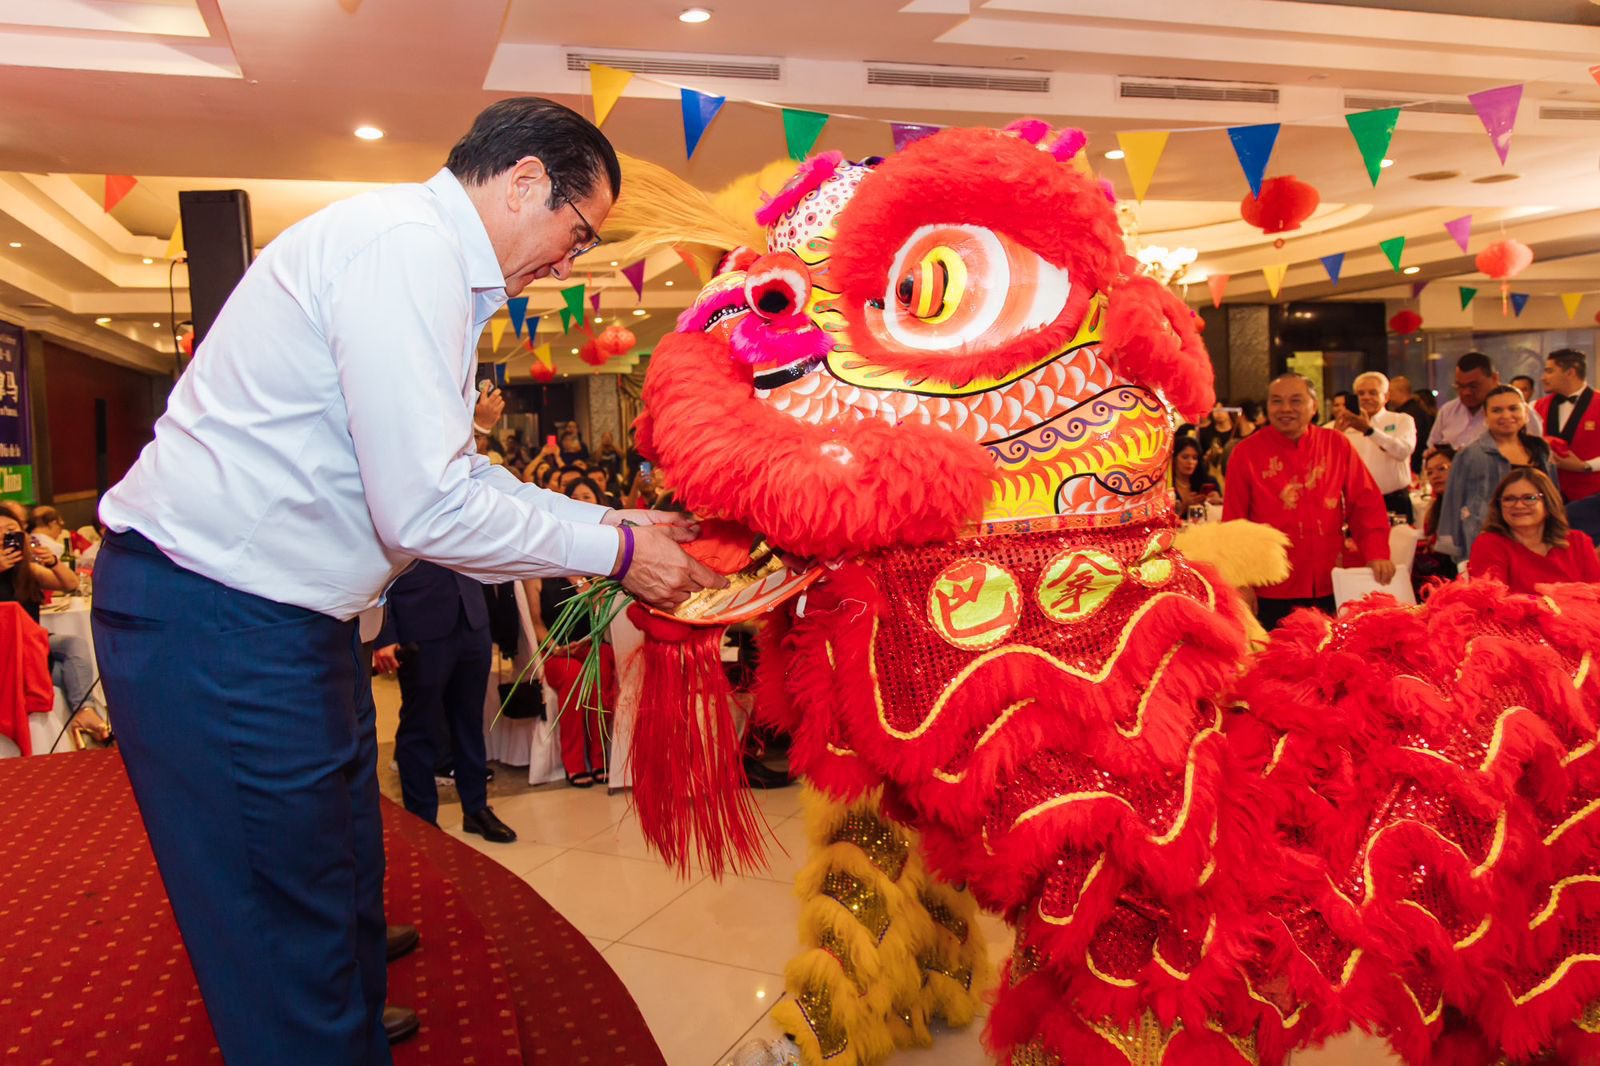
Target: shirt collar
column 483, row 267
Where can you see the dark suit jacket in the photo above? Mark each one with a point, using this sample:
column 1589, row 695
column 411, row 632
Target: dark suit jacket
column 428, row 602
column 1582, row 433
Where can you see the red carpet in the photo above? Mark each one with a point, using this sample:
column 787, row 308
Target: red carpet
column 92, row 968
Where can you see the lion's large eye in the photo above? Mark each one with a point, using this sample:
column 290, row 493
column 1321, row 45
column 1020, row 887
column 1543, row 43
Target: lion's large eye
column 956, row 287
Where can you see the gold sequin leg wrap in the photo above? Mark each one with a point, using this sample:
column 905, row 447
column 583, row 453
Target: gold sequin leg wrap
column 876, row 965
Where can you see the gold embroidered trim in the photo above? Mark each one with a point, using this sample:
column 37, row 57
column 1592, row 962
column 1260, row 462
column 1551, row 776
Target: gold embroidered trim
column 1555, row 897
column 867, row 905
column 1088, row 879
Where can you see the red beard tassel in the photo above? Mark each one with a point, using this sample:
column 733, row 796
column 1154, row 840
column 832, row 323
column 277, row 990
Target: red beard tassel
column 689, row 788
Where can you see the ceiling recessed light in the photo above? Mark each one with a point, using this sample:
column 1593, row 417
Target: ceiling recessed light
column 574, row 351
column 1386, row 164
column 369, row 133
column 694, row 15
column 1412, row 270
column 103, row 320
column 1115, row 153
column 157, row 325
column 639, row 312
column 669, row 284
column 613, row 262
column 147, row 260
column 16, row 244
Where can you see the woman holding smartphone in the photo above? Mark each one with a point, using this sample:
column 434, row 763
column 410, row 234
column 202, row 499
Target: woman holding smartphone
column 27, row 568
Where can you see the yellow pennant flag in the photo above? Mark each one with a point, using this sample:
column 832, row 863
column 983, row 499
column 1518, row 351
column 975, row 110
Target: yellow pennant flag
column 606, row 85
column 175, row 242
column 542, row 353
column 1141, row 151
column 497, row 331
column 1274, row 275
column 1571, row 300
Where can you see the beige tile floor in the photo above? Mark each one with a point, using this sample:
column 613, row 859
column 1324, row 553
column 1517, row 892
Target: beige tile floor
column 704, row 960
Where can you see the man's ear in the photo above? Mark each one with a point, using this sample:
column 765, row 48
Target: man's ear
column 526, row 182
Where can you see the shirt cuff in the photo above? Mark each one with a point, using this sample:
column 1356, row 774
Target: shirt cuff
column 1594, row 465
column 594, row 549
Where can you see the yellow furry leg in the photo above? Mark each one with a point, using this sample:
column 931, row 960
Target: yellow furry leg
column 889, row 949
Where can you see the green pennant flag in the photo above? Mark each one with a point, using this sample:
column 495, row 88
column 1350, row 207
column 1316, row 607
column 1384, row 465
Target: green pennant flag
column 1373, row 130
column 801, row 130
column 1466, row 296
column 1392, row 248
column 573, row 295
column 566, row 321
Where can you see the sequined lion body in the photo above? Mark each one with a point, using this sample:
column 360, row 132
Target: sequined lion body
column 942, row 380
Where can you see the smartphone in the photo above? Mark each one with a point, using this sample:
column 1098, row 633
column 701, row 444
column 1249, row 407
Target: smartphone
column 13, row 541
column 485, row 387
column 645, row 469
column 550, row 441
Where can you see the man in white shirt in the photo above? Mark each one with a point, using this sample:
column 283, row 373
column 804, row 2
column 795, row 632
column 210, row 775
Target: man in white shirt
column 1569, row 409
column 1384, row 439
column 320, row 441
column 1460, row 421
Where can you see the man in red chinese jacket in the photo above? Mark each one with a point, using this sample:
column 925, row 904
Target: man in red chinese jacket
column 1310, row 483
column 1571, row 415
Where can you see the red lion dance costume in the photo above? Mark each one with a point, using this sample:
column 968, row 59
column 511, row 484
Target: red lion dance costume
column 941, row 379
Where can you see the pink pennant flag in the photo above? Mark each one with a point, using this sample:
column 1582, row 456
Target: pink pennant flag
column 1497, row 110
column 594, row 301
column 1219, row 285
column 635, row 275
column 1460, row 229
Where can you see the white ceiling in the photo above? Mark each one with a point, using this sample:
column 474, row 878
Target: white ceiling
column 263, row 95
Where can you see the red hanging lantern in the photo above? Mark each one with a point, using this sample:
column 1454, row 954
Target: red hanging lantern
column 541, row 373
column 1283, row 205
column 186, row 342
column 1405, row 322
column 616, row 340
column 1502, row 261
column 592, row 354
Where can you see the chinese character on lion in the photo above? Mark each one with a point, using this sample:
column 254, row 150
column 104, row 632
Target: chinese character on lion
column 927, row 409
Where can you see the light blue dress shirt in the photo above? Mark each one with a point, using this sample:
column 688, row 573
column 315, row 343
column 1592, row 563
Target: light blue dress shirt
column 322, row 438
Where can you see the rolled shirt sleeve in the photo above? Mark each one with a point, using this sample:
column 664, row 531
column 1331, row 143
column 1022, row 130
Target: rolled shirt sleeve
column 430, row 496
column 1401, row 443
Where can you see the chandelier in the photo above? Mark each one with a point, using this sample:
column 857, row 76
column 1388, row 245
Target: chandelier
column 1166, row 265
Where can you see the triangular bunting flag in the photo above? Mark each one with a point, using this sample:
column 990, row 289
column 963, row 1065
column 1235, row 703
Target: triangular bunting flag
column 801, row 130
column 530, row 327
column 1466, row 296
column 118, row 186
column 1417, row 287
column 566, row 321
column 634, row 272
column 606, row 85
column 1334, row 265
column 594, row 302
column 517, row 308
column 1393, row 248
column 1460, row 229
column 542, row 353
column 1594, row 72
column 1519, row 300
column 1571, row 300
column 1497, row 110
column 1141, row 151
column 909, row 133
column 175, row 242
column 1253, row 146
column 1274, row 275
column 573, row 295
column 1373, row 130
column 1219, row 285
column 698, row 111
column 497, row 332
column 689, row 260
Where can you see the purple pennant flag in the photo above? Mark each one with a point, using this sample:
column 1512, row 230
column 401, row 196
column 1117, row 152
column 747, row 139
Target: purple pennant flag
column 1417, row 287
column 1497, row 109
column 634, row 272
column 1460, row 229
column 909, row 133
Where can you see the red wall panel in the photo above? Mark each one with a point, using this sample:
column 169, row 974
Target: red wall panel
column 73, row 381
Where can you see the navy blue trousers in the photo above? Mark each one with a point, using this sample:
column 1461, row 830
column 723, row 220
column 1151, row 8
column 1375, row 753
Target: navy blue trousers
column 444, row 682
column 247, row 728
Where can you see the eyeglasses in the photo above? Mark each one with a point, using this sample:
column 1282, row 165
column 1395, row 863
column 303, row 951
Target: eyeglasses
column 1529, row 498
column 594, row 234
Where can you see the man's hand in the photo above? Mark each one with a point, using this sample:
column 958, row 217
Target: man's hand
column 1571, row 462
column 387, row 659
column 491, row 405
column 662, row 574
column 1383, row 570
column 680, row 527
column 1357, row 422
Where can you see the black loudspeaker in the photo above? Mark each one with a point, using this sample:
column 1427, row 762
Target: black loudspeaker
column 218, row 241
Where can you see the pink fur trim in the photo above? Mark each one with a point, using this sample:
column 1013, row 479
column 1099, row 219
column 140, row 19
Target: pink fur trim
column 812, row 173
column 1032, row 130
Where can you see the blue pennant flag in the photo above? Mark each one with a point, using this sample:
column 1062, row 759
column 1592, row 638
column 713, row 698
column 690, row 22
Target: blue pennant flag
column 517, row 308
column 698, row 111
column 1253, row 145
column 532, row 327
column 1333, row 264
column 1519, row 300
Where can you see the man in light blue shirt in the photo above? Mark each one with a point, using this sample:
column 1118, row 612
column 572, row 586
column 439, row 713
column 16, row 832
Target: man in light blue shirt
column 320, row 441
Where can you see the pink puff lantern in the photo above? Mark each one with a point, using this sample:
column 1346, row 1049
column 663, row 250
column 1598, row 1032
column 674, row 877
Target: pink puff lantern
column 1502, row 261
column 615, row 341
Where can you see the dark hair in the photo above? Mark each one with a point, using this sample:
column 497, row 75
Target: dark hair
column 24, row 582
column 1475, row 361
column 1351, row 401
column 599, row 493
column 1522, row 377
column 1555, row 512
column 1446, row 450
column 1197, row 480
column 573, row 150
column 1570, row 359
column 43, row 516
column 1538, row 450
column 1250, row 409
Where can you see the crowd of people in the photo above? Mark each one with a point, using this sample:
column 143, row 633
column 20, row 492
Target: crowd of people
column 1497, row 469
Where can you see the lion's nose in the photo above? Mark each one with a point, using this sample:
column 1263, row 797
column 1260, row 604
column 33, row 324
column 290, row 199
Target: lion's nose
column 778, row 286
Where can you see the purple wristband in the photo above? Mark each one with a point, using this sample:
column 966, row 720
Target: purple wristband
column 627, row 552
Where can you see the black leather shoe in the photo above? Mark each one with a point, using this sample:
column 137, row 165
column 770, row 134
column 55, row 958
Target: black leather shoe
column 400, row 1023
column 486, row 825
column 402, row 940
column 759, row 775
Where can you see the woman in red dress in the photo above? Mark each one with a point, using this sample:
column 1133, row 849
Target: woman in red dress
column 1526, row 541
